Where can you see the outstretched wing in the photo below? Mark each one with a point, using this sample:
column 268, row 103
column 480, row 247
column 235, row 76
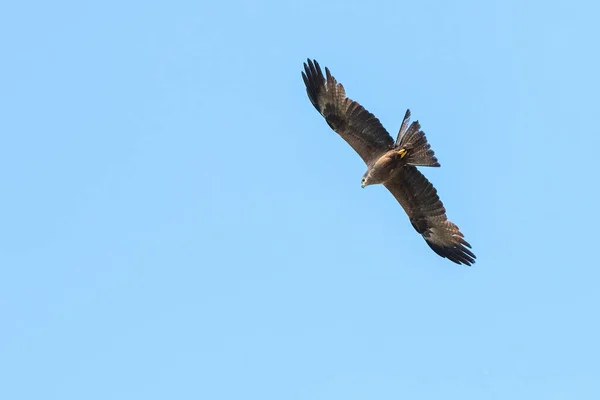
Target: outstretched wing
column 427, row 214
column 361, row 129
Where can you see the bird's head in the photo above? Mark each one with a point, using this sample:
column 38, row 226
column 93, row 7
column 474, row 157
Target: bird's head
column 365, row 180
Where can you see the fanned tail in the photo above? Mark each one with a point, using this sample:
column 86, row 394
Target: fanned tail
column 412, row 139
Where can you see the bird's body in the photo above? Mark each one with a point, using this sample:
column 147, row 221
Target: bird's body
column 391, row 163
column 383, row 169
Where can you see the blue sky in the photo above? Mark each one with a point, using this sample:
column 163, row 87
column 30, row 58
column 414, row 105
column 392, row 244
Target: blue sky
column 179, row 222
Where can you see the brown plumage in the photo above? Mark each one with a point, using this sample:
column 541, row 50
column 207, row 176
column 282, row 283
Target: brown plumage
column 391, row 163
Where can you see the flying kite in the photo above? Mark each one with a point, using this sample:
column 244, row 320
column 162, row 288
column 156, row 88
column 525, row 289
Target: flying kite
column 391, row 163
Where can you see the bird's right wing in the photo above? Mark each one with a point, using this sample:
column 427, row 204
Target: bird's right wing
column 361, row 129
column 427, row 215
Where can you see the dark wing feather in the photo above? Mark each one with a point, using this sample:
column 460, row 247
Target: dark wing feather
column 361, row 129
column 427, row 214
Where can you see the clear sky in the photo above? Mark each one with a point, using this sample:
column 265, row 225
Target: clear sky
column 178, row 222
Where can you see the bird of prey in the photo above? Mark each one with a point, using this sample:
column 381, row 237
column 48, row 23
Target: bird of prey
column 391, row 163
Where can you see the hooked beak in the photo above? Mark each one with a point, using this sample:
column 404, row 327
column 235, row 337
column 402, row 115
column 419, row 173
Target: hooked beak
column 362, row 185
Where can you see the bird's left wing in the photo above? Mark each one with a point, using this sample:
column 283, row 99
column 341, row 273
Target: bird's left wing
column 427, row 215
column 361, row 129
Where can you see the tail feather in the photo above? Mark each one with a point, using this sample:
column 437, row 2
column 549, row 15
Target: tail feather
column 403, row 127
column 413, row 140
